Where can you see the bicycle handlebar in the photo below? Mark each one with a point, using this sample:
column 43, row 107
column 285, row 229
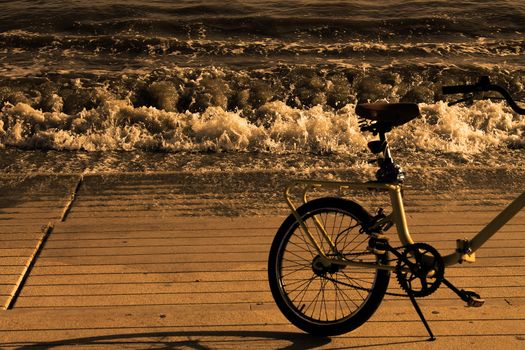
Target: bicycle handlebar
column 459, row 89
column 484, row 85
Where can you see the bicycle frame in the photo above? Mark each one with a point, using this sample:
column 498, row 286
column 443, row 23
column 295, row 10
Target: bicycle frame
column 465, row 248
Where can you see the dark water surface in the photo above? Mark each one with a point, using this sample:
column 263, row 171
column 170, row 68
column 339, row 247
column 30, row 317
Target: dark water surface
column 270, row 77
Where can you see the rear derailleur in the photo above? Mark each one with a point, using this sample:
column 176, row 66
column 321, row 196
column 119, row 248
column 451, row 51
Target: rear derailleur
column 420, row 271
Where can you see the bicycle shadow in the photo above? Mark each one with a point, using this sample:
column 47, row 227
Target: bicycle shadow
column 165, row 340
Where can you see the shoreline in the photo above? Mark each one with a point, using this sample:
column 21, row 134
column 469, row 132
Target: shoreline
column 418, row 175
column 246, row 193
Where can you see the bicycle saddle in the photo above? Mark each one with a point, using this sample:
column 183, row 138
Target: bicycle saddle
column 391, row 114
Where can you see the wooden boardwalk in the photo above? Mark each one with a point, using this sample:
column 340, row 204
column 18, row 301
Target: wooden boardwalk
column 140, row 263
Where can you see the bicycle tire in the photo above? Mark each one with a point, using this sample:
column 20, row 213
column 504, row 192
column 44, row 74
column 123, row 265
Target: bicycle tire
column 291, row 265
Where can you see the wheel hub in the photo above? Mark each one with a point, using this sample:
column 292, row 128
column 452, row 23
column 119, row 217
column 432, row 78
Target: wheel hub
column 320, row 267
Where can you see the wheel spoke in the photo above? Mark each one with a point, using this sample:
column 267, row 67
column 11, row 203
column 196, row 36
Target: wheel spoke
column 347, row 244
column 305, row 290
column 304, row 283
column 339, row 229
column 292, row 272
column 298, row 245
column 314, row 302
column 356, row 289
column 347, row 297
column 297, row 255
column 306, row 240
column 341, row 292
column 325, row 308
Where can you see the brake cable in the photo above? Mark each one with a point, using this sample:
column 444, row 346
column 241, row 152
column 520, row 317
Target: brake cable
column 468, row 99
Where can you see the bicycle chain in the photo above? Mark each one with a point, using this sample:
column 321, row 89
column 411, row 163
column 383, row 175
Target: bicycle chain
column 362, row 288
column 359, row 287
column 396, row 271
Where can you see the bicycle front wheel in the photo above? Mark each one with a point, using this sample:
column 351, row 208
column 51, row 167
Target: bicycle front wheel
column 318, row 298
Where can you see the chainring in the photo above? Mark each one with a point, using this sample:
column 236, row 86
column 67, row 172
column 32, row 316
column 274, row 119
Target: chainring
column 420, row 269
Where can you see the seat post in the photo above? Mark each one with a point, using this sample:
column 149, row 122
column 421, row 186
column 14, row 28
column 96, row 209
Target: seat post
column 387, row 156
column 388, row 171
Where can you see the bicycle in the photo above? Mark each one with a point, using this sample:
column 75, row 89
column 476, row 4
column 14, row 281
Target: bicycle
column 329, row 263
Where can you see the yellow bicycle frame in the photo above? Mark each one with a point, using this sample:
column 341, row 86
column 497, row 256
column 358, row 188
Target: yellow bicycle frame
column 465, row 248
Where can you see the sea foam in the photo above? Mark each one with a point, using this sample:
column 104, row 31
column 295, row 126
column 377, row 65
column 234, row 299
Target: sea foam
column 118, row 125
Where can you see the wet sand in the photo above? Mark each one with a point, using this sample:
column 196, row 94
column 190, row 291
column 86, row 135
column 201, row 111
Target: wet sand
column 165, row 260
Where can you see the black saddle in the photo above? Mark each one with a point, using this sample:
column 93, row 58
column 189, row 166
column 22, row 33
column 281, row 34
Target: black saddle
column 386, row 115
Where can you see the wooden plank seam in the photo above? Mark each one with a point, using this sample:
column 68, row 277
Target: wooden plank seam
column 47, row 230
column 11, row 300
column 72, row 199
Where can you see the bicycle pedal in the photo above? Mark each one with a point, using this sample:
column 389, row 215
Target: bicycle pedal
column 475, row 302
column 473, row 299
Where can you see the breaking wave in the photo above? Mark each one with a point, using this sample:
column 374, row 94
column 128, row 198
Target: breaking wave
column 118, row 125
column 270, row 77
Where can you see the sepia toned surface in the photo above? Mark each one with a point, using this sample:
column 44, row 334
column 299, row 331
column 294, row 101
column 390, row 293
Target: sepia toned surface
column 145, row 146
column 129, row 268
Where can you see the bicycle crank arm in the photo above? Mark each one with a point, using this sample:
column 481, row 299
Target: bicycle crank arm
column 472, row 298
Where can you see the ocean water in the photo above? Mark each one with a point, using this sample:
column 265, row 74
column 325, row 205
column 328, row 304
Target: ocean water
column 163, row 85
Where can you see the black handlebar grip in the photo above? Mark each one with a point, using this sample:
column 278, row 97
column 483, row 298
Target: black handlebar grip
column 459, row 89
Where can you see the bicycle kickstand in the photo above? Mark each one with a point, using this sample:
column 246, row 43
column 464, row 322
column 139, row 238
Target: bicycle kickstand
column 421, row 316
column 471, row 298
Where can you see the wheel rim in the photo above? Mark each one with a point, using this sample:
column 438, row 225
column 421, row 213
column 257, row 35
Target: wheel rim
column 325, row 294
